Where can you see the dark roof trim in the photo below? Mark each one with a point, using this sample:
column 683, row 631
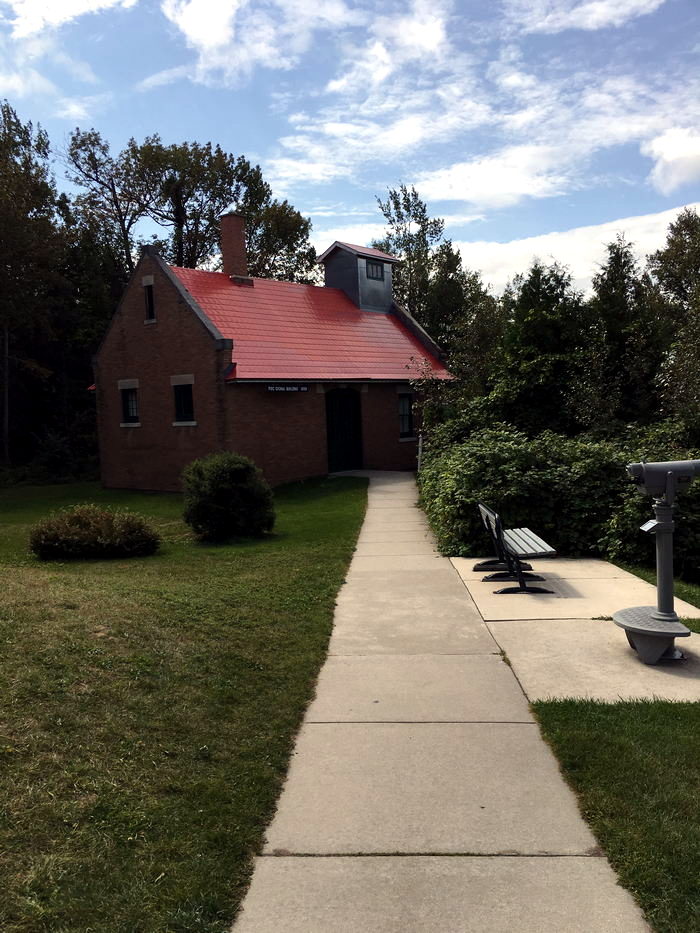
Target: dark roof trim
column 319, row 380
column 367, row 251
column 412, row 325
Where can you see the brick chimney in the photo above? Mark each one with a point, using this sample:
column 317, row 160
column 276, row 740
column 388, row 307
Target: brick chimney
column 232, row 235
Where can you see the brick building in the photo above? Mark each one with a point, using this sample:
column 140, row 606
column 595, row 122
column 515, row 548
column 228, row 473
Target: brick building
column 303, row 379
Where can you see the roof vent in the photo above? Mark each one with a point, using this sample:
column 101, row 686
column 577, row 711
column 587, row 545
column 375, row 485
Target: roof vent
column 244, row 280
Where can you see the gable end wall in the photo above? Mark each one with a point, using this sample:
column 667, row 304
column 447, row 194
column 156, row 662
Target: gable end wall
column 152, row 456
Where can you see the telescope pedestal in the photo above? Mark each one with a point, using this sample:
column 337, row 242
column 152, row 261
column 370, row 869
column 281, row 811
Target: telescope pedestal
column 651, row 633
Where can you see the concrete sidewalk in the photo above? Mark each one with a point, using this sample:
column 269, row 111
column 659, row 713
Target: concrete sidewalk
column 420, row 797
column 565, row 644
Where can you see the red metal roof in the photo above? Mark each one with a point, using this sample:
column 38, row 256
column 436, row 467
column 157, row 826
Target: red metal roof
column 285, row 331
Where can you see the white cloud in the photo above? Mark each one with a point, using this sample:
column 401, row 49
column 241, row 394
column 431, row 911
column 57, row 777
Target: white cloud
column 206, row 24
column 677, row 158
column 81, row 108
column 359, row 234
column 552, row 16
column 33, row 16
column 162, row 78
column 394, row 99
column 402, row 87
column 232, row 37
column 582, row 249
column 23, row 83
column 499, row 180
column 419, row 35
column 24, row 61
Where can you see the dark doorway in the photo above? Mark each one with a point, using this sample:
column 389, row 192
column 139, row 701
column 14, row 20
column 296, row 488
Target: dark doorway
column 344, row 430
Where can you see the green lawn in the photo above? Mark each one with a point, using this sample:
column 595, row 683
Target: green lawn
column 148, row 708
column 636, row 769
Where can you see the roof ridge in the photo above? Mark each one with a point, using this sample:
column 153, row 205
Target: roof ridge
column 260, row 278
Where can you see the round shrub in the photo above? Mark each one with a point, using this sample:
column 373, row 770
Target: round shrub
column 226, row 496
column 91, row 531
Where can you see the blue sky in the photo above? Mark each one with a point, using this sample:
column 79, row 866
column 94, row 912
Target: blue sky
column 535, row 127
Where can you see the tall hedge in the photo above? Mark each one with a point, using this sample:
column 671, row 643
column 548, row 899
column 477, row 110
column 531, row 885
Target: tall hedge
column 574, row 492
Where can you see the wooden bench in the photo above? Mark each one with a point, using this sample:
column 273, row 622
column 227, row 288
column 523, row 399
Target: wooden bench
column 513, row 548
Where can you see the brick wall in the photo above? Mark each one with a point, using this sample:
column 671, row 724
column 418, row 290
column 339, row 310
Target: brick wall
column 152, row 456
column 284, row 433
column 382, row 448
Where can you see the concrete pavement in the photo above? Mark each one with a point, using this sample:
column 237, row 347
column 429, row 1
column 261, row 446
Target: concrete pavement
column 420, row 797
column 566, row 645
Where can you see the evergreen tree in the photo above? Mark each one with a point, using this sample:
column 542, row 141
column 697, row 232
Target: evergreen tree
column 632, row 330
column 543, row 347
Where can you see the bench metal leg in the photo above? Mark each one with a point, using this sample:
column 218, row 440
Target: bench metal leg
column 523, row 580
column 524, row 589
column 506, row 575
column 495, row 564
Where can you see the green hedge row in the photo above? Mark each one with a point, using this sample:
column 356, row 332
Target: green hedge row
column 574, row 492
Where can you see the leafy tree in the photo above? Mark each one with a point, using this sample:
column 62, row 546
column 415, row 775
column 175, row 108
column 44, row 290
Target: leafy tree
column 465, row 320
column 28, row 246
column 476, row 345
column 115, row 190
column 277, row 236
column 411, row 236
column 676, row 267
column 184, row 188
column 445, row 296
column 679, row 376
column 189, row 186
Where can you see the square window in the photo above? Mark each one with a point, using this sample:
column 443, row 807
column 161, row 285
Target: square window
column 150, row 303
column 406, row 416
column 184, row 403
column 375, row 270
column 130, row 406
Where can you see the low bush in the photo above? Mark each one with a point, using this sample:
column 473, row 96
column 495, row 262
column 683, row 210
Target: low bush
column 226, row 496
column 90, row 531
column 574, row 492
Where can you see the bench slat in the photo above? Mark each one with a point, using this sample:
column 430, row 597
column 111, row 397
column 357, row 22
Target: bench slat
column 524, row 543
column 530, row 539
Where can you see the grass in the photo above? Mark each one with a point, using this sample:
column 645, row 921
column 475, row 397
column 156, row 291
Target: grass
column 636, row 769
column 148, row 708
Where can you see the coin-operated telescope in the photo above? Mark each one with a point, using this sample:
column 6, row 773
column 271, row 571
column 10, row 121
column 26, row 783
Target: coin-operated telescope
column 664, row 480
column 651, row 630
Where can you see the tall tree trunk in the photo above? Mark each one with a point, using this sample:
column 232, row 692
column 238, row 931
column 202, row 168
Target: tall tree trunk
column 123, row 229
column 6, row 394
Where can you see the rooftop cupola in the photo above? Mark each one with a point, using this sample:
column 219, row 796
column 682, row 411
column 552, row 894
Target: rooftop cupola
column 363, row 273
